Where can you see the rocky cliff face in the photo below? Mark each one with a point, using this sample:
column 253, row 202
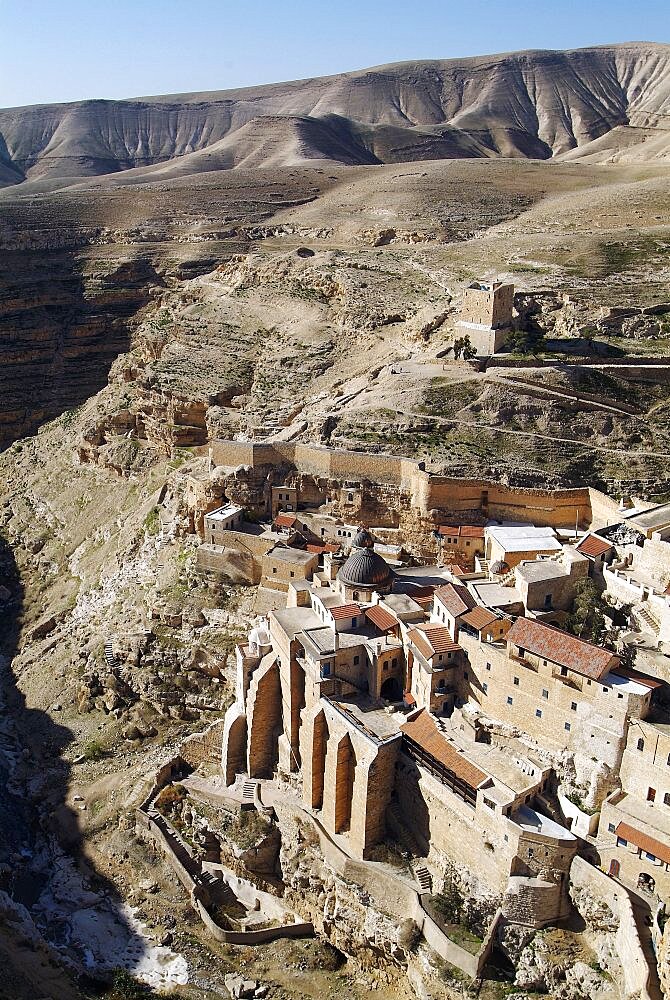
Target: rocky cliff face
column 529, row 104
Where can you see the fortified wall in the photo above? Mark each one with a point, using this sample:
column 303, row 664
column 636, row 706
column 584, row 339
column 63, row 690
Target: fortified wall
column 425, row 491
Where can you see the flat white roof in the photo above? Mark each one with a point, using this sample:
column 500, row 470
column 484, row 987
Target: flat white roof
column 493, row 595
column 223, row 513
column 526, row 538
column 535, row 822
column 625, row 684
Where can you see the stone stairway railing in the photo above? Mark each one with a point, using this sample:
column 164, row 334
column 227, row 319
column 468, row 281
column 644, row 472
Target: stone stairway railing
column 111, row 658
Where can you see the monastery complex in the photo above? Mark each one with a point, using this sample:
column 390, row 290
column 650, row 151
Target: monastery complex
column 412, row 676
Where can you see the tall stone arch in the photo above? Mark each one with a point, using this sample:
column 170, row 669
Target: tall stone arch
column 264, row 721
column 345, row 771
column 320, row 735
column 234, row 744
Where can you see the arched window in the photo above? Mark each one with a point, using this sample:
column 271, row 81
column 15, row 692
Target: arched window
column 640, row 744
column 355, row 595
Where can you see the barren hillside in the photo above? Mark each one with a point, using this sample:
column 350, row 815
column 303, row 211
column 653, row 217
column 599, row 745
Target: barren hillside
column 538, row 104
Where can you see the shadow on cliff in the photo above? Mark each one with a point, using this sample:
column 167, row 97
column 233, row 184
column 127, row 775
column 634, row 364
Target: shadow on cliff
column 74, row 318
column 42, row 861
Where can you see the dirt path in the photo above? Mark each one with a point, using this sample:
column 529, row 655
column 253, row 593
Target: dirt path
column 532, row 434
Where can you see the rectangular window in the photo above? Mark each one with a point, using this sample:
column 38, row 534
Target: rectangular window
column 485, row 688
column 488, row 666
column 356, row 660
column 573, row 706
column 538, row 713
column 354, row 622
column 545, row 693
column 666, row 799
column 274, row 569
column 649, row 857
column 564, row 671
column 567, row 727
column 516, row 682
column 610, row 828
column 510, row 700
column 522, row 651
column 651, row 794
column 621, row 842
column 292, row 573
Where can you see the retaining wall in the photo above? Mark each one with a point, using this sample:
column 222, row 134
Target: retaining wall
column 629, row 948
column 425, row 492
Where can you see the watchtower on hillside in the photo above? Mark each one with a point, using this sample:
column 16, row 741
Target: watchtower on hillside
column 486, row 315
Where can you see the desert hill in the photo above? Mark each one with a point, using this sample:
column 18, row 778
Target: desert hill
column 607, row 101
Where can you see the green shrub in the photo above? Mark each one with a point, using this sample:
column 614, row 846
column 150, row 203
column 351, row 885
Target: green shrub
column 152, row 522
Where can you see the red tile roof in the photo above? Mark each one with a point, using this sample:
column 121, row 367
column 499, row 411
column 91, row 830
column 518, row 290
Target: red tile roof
column 423, row 730
column 479, row 618
column 431, row 638
column 285, row 520
column 457, row 570
column 345, row 611
column 448, row 529
column 382, row 618
column 593, row 546
column 462, row 530
column 645, row 842
column 471, row 531
column 456, row 598
column 316, row 549
column 551, row 643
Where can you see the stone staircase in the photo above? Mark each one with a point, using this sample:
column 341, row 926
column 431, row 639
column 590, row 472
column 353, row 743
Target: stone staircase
column 645, row 619
column 111, row 658
column 423, row 877
column 248, row 792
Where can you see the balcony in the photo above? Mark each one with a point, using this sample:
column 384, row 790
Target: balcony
column 524, row 662
column 570, row 682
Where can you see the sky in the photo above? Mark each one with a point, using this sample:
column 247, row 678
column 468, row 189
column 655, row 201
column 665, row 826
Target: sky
column 67, row 50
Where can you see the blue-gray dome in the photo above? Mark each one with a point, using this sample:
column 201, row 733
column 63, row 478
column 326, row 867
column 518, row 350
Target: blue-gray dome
column 365, row 568
column 363, row 539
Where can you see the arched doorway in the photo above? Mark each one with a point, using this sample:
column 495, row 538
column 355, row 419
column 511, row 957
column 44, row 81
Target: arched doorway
column 391, row 689
column 615, row 866
column 319, row 744
column 344, row 784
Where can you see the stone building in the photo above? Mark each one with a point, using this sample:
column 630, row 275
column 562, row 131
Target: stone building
column 486, row 315
column 512, row 545
column 282, row 564
column 634, row 828
column 546, row 585
column 393, row 696
column 461, row 542
column 226, row 518
column 284, row 498
column 565, row 693
column 599, row 551
column 473, row 802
